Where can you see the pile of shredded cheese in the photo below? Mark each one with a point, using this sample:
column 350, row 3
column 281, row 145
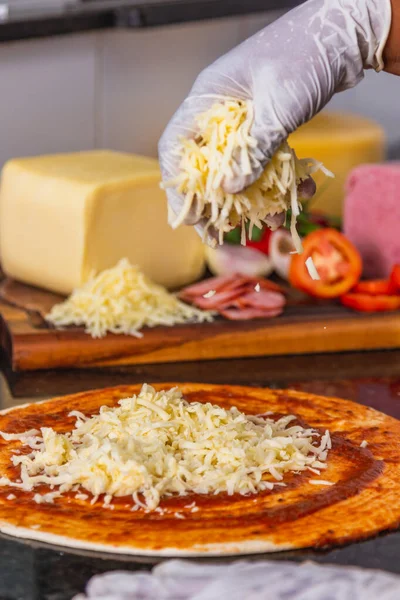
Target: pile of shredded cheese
column 156, row 444
column 122, row 300
column 225, row 140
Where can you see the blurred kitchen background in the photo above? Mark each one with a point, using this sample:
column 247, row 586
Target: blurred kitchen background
column 116, row 82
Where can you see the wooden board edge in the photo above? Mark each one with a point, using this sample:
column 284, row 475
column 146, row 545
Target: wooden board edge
column 284, row 340
column 380, row 332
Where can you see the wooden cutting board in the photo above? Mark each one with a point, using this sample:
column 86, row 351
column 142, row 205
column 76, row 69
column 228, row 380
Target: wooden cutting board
column 305, row 327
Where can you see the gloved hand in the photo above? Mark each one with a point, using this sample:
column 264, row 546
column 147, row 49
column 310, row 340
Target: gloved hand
column 289, row 70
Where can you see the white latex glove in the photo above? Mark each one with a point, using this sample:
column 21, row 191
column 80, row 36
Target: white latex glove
column 290, row 70
column 268, row 580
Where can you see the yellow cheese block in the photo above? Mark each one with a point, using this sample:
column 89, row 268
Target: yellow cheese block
column 63, row 216
column 341, row 142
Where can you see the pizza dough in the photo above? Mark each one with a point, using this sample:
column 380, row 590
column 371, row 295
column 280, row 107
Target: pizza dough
column 362, row 502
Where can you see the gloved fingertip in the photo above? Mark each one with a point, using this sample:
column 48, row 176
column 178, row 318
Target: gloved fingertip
column 209, row 237
column 238, row 183
column 194, row 214
column 307, row 189
column 275, row 221
column 234, row 186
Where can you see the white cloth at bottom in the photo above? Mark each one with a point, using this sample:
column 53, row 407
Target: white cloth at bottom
column 273, row 580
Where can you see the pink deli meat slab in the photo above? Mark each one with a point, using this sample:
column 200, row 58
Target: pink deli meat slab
column 372, row 216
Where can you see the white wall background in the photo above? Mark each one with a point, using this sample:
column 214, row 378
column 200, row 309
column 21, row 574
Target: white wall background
column 117, row 89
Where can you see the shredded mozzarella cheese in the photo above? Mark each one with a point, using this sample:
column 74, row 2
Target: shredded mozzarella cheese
column 122, row 300
column 223, row 146
column 320, row 482
column 312, row 269
column 157, row 444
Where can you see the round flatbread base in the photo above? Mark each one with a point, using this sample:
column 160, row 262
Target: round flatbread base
column 362, row 501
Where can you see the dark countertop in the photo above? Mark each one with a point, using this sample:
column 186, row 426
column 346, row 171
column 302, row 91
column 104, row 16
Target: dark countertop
column 32, row 571
column 274, row 371
column 61, row 18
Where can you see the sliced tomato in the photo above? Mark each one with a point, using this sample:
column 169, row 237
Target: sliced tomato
column 373, row 287
column 336, row 259
column 368, row 303
column 378, row 287
column 394, row 280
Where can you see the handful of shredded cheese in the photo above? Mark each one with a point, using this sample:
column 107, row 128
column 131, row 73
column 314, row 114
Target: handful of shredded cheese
column 224, row 140
column 157, row 444
column 122, row 300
